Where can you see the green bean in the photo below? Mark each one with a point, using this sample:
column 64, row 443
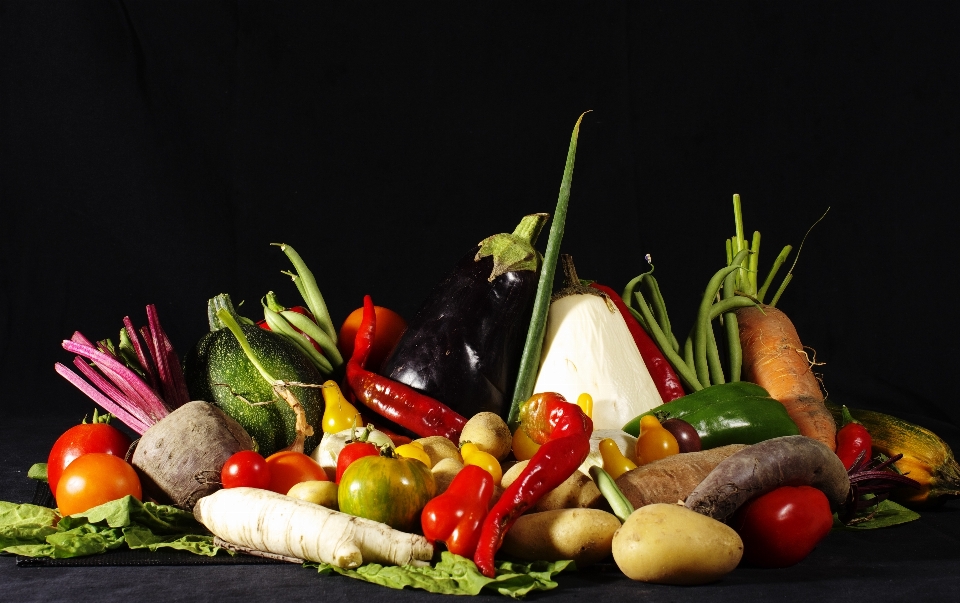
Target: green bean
column 627, row 295
column 777, row 263
column 734, row 352
column 660, row 311
column 688, row 350
column 310, row 291
column 703, row 317
column 684, row 371
column 278, row 324
column 329, row 346
column 713, row 358
column 729, row 305
column 639, row 318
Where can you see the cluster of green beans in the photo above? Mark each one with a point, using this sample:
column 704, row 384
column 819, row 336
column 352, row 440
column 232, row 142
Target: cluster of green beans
column 287, row 322
column 697, row 363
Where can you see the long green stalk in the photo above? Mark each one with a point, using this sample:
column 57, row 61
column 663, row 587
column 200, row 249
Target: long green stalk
column 530, row 360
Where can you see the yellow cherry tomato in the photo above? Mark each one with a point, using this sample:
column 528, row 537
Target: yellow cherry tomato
column 523, row 447
column 474, row 456
column 614, row 462
column 413, row 450
column 654, row 442
column 338, row 414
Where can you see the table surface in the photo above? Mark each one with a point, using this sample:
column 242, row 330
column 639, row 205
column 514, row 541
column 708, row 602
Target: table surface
column 919, row 559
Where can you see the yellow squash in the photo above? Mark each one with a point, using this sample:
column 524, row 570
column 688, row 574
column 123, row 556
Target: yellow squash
column 926, row 457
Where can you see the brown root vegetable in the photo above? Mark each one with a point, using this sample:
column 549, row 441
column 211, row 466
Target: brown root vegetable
column 180, row 457
column 774, row 359
column 760, row 468
column 673, row 478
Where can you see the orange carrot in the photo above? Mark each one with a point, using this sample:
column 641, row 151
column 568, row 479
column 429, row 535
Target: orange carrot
column 774, row 359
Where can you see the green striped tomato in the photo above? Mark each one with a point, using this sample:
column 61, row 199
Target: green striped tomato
column 389, row 490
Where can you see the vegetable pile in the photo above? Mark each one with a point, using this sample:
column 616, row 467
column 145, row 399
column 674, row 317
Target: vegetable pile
column 501, row 435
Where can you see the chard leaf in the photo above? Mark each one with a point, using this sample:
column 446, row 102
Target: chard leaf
column 884, row 514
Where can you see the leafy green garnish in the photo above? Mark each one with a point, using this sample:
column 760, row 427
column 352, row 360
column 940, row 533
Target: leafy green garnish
column 884, row 514
column 456, row 575
column 33, row 531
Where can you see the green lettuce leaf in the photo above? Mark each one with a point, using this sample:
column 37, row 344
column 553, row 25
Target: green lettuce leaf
column 33, row 531
column 456, row 575
column 25, row 524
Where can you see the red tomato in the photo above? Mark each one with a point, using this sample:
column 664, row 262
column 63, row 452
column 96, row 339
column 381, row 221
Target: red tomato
column 390, row 326
column 783, row 526
column 288, row 468
column 83, row 439
column 352, row 452
column 94, row 479
column 246, row 469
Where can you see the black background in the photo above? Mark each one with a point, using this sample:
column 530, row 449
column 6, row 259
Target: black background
column 150, row 152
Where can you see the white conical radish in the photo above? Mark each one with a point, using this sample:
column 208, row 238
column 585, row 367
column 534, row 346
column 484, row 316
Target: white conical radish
column 588, row 348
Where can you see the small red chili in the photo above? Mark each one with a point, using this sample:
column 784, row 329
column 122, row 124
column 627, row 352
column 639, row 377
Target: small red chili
column 853, row 441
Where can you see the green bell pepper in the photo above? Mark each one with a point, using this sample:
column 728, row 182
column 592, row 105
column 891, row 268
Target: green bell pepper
column 730, row 413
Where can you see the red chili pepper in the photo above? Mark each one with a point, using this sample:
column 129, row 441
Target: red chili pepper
column 853, row 441
column 563, row 432
column 454, row 518
column 396, row 401
column 664, row 377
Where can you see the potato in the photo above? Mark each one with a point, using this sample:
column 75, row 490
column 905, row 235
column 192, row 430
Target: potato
column 577, row 491
column 584, row 535
column 490, row 433
column 669, row 544
column 444, row 472
column 439, row 448
column 323, row 493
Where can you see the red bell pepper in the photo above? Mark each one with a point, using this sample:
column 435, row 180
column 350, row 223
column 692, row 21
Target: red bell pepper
column 454, row 518
column 396, row 401
column 563, row 431
column 664, row 377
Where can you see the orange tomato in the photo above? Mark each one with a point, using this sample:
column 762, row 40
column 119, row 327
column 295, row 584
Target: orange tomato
column 94, row 479
column 655, row 442
column 390, row 326
column 288, row 468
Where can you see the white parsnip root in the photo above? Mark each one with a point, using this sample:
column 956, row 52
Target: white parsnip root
column 274, row 523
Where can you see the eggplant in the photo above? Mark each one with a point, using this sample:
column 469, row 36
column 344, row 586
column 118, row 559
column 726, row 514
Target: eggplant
column 464, row 344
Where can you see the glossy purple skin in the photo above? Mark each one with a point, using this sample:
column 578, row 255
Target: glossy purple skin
column 464, row 344
column 687, row 437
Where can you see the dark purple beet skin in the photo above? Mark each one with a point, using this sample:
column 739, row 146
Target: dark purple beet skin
column 464, row 344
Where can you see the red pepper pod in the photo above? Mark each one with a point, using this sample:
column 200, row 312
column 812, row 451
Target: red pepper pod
column 853, row 441
column 664, row 377
column 396, row 401
column 565, row 448
column 455, row 516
